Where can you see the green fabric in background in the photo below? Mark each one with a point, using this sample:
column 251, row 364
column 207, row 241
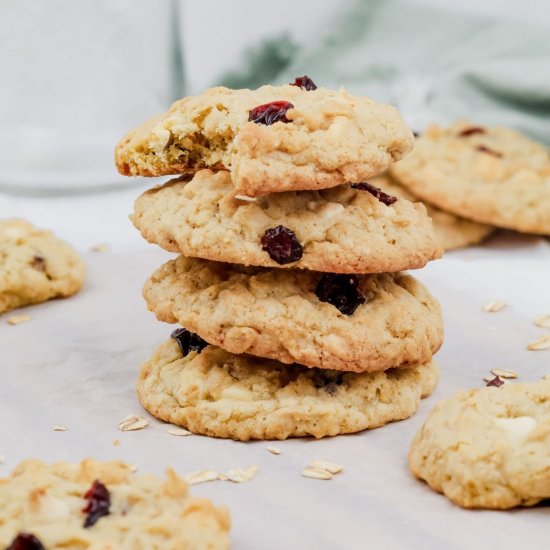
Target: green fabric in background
column 434, row 65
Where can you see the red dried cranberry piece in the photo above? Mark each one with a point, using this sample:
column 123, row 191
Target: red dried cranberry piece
column 305, row 83
column 489, row 151
column 282, row 245
column 99, row 501
column 341, row 291
column 25, row 541
column 269, row 113
column 471, row 131
column 496, row 382
column 384, row 198
column 188, row 341
column 38, row 263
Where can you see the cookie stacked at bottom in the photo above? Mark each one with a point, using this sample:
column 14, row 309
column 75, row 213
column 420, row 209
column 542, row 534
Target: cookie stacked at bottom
column 296, row 318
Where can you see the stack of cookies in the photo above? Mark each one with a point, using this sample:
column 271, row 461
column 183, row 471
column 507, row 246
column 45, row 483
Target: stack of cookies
column 296, row 317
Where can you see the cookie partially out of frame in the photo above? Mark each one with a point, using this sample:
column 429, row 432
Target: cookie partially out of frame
column 451, row 231
column 35, row 266
column 490, row 175
column 331, row 138
column 63, row 506
column 488, row 447
column 339, row 230
column 300, row 316
column 219, row 394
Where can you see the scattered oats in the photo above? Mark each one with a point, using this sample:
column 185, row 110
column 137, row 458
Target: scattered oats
column 245, row 198
column 316, row 473
column 274, row 450
column 116, row 442
column 60, row 428
column 239, row 475
column 542, row 343
column 133, row 468
column 330, row 467
column 494, row 306
column 102, row 247
column 543, row 321
column 178, row 431
column 18, row 319
column 504, row 373
column 202, row 476
column 133, row 422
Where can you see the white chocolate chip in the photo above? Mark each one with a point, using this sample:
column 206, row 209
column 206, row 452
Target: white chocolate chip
column 518, row 427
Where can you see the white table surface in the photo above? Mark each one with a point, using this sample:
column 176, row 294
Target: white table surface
column 75, row 363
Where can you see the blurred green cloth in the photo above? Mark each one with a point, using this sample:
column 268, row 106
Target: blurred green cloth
column 434, row 65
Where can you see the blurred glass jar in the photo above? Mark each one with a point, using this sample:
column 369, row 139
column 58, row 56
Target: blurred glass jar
column 77, row 75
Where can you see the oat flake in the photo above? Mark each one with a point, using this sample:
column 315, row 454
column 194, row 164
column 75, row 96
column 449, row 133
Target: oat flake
column 542, row 343
column 18, row 319
column 133, row 422
column 494, row 306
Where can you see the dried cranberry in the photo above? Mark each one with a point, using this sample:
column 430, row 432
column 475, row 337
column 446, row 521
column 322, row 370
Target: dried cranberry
column 305, row 83
column 99, row 501
column 384, row 198
column 282, row 245
column 38, row 263
column 269, row 113
column 489, row 151
column 188, row 341
column 25, row 541
column 471, row 131
column 327, row 380
column 341, row 291
column 496, row 382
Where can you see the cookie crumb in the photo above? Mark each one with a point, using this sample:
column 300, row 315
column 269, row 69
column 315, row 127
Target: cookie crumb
column 101, row 247
column 543, row 321
column 201, row 476
column 494, row 306
column 504, row 373
column 330, row 467
column 60, row 428
column 273, row 450
column 133, row 422
column 133, row 468
column 18, row 319
column 238, row 475
column 316, row 473
column 542, row 343
column 116, row 442
column 178, row 431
